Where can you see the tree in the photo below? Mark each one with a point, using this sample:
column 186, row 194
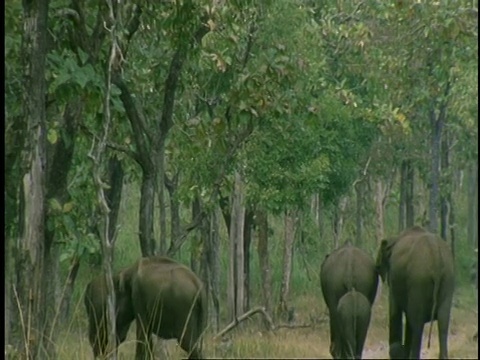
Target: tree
column 32, row 254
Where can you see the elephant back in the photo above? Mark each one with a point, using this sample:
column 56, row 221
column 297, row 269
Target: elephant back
column 346, row 268
column 424, row 253
column 170, row 294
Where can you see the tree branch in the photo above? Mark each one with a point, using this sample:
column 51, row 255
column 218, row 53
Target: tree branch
column 245, row 316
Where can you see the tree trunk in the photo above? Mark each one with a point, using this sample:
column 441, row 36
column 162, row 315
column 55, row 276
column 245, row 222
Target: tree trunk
column 319, row 216
column 264, row 261
column 32, row 251
column 195, row 248
column 380, row 210
column 68, row 289
column 171, row 185
column 290, row 222
column 359, row 213
column 436, row 124
column 409, row 194
column 13, row 175
column 403, row 197
column 338, row 221
column 162, row 206
column 214, row 269
column 471, row 200
column 113, row 195
column 236, row 280
column 247, row 239
column 444, row 205
column 475, row 228
column 145, row 224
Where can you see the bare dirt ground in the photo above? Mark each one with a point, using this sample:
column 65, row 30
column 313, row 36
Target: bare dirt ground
column 252, row 341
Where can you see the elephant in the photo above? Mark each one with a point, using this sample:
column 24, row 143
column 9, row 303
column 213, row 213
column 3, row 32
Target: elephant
column 354, row 312
column 95, row 300
column 164, row 297
column 346, row 268
column 418, row 267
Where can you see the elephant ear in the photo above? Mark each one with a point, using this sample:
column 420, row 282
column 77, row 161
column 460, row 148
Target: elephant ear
column 383, row 258
column 125, row 280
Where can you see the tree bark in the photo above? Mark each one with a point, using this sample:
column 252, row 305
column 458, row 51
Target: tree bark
column 379, row 209
column 171, row 185
column 145, row 224
column 247, row 239
column 290, row 222
column 409, row 194
column 264, row 260
column 338, row 221
column 436, row 124
column 236, row 270
column 475, row 228
column 359, row 213
column 471, row 200
column 162, row 206
column 195, row 248
column 403, row 197
column 214, row 269
column 32, row 251
column 320, row 216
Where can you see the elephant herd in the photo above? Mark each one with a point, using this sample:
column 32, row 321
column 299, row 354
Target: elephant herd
column 418, row 267
column 167, row 299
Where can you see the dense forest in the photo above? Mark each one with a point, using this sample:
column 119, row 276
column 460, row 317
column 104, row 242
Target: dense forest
column 246, row 139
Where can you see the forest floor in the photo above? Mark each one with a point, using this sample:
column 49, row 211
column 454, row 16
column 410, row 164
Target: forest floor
column 252, row 341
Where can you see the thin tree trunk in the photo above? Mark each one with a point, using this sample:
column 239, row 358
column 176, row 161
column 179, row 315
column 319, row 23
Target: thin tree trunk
column 247, row 239
column 238, row 215
column 359, row 213
column 409, row 194
column 68, row 289
column 236, row 271
column 214, row 269
column 113, row 195
column 380, row 216
column 290, row 220
column 319, row 216
column 436, row 124
column 194, row 253
column 338, row 221
column 162, row 206
column 145, row 224
column 471, row 199
column 475, row 228
column 264, row 261
column 403, row 197
column 171, row 185
column 97, row 154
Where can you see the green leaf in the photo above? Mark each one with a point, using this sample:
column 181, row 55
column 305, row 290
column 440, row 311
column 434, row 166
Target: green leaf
column 52, row 136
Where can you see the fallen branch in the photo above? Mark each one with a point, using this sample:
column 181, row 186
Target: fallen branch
column 293, row 326
column 245, row 316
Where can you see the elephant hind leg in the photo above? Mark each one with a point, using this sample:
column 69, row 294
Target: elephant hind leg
column 443, row 320
column 414, row 342
column 335, row 345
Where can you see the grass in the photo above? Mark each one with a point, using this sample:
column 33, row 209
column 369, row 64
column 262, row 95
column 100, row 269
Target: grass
column 252, row 341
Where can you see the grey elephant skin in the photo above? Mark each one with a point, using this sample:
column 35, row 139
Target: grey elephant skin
column 354, row 313
column 345, row 269
column 418, row 267
column 164, row 297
